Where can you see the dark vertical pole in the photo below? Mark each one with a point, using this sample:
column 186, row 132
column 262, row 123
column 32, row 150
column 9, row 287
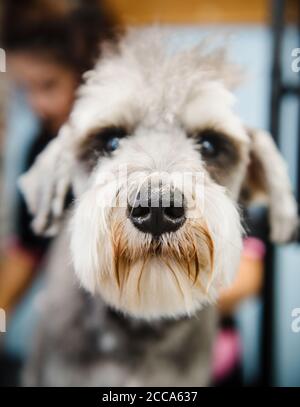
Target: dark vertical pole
column 268, row 329
column 298, row 148
column 277, row 28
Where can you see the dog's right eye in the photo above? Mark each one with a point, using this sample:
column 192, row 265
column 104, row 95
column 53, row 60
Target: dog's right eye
column 105, row 140
column 112, row 144
column 111, row 138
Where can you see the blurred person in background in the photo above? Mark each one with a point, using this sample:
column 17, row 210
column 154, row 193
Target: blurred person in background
column 228, row 348
column 49, row 45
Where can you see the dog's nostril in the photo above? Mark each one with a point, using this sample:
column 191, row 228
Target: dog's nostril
column 139, row 212
column 174, row 212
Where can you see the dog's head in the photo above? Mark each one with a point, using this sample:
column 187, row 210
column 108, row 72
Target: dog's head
column 158, row 161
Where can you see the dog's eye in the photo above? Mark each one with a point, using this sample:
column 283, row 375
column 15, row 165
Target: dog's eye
column 111, row 138
column 112, row 144
column 105, row 140
column 208, row 148
column 213, row 144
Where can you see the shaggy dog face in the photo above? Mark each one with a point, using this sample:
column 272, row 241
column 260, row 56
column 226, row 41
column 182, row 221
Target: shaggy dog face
column 151, row 129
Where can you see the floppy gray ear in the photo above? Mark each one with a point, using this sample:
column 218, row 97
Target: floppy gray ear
column 46, row 183
column 267, row 177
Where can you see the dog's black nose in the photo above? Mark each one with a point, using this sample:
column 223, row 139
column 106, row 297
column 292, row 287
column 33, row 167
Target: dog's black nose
column 158, row 217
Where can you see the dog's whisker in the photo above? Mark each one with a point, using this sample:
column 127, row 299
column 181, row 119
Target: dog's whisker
column 140, row 276
column 175, row 277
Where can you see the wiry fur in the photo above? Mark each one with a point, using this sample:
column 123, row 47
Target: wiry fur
column 164, row 100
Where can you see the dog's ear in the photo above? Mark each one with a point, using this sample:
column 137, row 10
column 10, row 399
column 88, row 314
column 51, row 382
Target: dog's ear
column 267, row 178
column 46, row 184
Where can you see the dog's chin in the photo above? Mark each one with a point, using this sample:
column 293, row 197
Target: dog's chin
column 164, row 277
column 152, row 278
column 156, row 287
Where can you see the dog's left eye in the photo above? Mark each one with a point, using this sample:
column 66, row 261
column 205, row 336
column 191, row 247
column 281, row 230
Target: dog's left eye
column 209, row 148
column 213, row 145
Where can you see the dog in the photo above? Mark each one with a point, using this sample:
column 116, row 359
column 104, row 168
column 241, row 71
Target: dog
column 141, row 256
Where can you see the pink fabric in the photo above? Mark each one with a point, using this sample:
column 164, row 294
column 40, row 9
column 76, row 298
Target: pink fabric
column 254, row 248
column 227, row 346
column 226, row 353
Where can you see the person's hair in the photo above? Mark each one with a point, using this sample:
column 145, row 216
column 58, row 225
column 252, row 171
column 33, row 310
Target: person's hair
column 67, row 32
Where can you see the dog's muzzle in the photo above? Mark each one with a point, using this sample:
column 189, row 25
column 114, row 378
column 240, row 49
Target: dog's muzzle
column 160, row 251
column 158, row 213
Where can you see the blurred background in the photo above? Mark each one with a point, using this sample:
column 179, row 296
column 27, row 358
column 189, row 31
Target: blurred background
column 48, row 45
